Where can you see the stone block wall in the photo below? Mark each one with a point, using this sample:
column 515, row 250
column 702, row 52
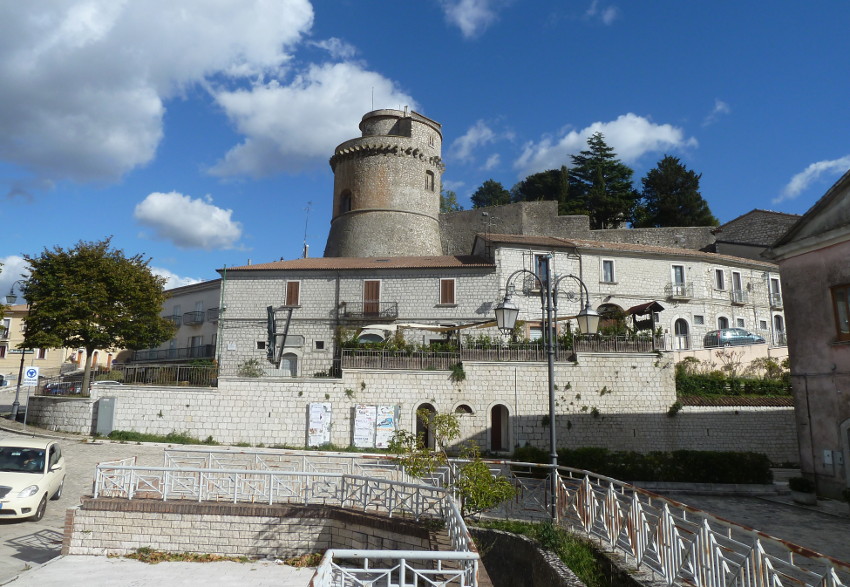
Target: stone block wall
column 119, row 527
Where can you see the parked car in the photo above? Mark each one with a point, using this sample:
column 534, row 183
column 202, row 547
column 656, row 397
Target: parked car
column 32, row 470
column 731, row 337
column 63, row 388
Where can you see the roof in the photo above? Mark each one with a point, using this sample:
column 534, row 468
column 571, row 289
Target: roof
column 200, row 285
column 581, row 244
column 756, row 227
column 343, row 263
column 644, row 309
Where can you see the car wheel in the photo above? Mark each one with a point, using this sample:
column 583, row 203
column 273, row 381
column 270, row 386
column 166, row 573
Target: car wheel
column 58, row 493
column 39, row 511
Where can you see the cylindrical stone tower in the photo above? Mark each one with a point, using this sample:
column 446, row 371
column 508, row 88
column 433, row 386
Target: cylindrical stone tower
column 387, row 188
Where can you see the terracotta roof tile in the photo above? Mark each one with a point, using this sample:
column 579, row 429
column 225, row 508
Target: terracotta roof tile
column 748, row 401
column 335, row 263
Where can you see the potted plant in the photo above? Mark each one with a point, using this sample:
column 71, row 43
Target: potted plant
column 802, row 491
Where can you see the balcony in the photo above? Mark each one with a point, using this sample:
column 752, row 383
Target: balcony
column 193, row 318
column 369, row 310
column 205, row 351
column 177, row 320
column 212, row 315
column 4, row 333
column 679, row 291
column 776, row 300
column 738, row 297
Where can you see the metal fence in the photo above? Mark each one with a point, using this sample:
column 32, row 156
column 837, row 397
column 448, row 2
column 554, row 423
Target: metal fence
column 677, row 543
column 414, row 360
column 188, row 375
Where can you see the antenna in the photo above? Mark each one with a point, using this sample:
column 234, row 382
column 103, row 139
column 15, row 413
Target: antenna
column 306, row 220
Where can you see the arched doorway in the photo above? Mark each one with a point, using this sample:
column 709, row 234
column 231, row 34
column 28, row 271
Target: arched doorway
column 722, row 322
column 289, row 364
column 499, row 428
column 682, row 338
column 422, row 429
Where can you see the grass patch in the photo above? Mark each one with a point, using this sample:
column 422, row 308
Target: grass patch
column 151, row 556
column 577, row 553
column 171, row 437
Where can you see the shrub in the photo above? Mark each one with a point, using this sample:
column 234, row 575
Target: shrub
column 801, row 484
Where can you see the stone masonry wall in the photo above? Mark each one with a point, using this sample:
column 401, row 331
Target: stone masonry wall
column 615, row 401
column 119, row 527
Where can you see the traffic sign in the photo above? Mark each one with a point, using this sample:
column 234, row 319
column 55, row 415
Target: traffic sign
column 31, row 376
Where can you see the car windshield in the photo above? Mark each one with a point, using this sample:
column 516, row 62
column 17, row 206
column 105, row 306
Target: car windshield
column 21, row 459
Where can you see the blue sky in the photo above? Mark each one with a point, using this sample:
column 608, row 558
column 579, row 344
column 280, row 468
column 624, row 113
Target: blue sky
column 198, row 132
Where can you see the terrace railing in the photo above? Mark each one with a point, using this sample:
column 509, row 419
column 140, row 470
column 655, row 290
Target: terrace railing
column 415, row 360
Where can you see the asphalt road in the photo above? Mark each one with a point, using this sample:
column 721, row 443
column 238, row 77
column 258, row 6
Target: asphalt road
column 24, row 543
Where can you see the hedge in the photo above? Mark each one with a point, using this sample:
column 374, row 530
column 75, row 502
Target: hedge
column 690, row 466
column 717, row 384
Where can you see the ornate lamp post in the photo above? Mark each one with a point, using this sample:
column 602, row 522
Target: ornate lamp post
column 588, row 322
column 11, row 298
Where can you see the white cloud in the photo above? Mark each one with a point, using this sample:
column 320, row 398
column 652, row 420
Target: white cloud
column 631, row 136
column 492, row 162
column 607, row 14
column 291, row 127
column 337, row 48
column 85, row 81
column 13, row 268
column 811, row 174
column 720, row 108
column 188, row 223
column 478, row 135
column 472, row 17
column 173, row 280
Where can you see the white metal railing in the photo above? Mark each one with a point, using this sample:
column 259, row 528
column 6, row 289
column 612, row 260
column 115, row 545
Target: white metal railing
column 679, row 544
column 396, row 568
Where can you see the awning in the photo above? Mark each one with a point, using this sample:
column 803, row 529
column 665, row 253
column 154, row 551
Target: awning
column 644, row 309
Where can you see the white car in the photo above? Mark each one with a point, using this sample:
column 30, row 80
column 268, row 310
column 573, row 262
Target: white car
column 32, row 470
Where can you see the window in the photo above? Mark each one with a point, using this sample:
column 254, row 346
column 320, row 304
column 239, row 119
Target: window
column 541, row 262
column 762, row 324
column 678, row 274
column 371, row 297
column 319, row 345
column 261, row 345
column 608, row 271
column 447, row 292
column 3, row 352
column 719, row 279
column 345, row 202
column 5, row 327
column 739, row 322
column 841, row 311
column 699, row 320
column 429, row 181
column 535, row 333
column 723, row 322
column 176, row 311
column 293, row 293
column 42, row 354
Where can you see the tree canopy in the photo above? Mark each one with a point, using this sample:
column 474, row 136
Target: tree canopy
column 491, row 193
column 552, row 184
column 671, row 197
column 601, row 185
column 93, row 297
column 448, row 202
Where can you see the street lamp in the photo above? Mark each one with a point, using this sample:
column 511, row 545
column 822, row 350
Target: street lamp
column 588, row 321
column 11, row 298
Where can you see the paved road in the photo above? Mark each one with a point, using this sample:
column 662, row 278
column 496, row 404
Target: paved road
column 25, row 543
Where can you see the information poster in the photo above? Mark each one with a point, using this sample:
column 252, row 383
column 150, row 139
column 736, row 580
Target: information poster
column 319, row 424
column 385, row 425
column 364, row 426
column 374, row 426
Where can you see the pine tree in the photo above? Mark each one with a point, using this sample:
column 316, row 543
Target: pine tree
column 552, row 184
column 671, row 197
column 601, row 186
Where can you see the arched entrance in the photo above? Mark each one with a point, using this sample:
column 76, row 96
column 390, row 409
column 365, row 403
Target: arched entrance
column 499, row 428
column 681, row 339
column 612, row 319
column 422, row 429
column 289, row 364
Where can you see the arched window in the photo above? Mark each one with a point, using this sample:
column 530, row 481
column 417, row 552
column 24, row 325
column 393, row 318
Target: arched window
column 612, row 319
column 463, row 409
column 499, row 428
column 422, row 427
column 345, row 202
column 682, row 338
column 289, row 364
column 723, row 322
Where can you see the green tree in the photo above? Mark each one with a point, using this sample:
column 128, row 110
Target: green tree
column 93, row 297
column 477, row 488
column 671, row 197
column 552, row 184
column 601, row 185
column 448, row 202
column 491, row 193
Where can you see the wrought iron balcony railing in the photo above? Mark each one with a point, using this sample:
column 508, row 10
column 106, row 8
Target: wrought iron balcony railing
column 679, row 291
column 369, row 310
column 206, row 351
column 192, row 318
column 212, row 315
column 177, row 320
column 775, row 300
column 738, row 297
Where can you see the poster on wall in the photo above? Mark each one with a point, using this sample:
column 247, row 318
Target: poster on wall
column 385, row 425
column 374, row 426
column 364, row 426
column 319, row 424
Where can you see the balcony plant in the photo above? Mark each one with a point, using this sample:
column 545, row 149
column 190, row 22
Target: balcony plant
column 802, row 491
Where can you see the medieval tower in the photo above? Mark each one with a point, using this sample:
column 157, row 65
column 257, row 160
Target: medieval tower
column 387, row 188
